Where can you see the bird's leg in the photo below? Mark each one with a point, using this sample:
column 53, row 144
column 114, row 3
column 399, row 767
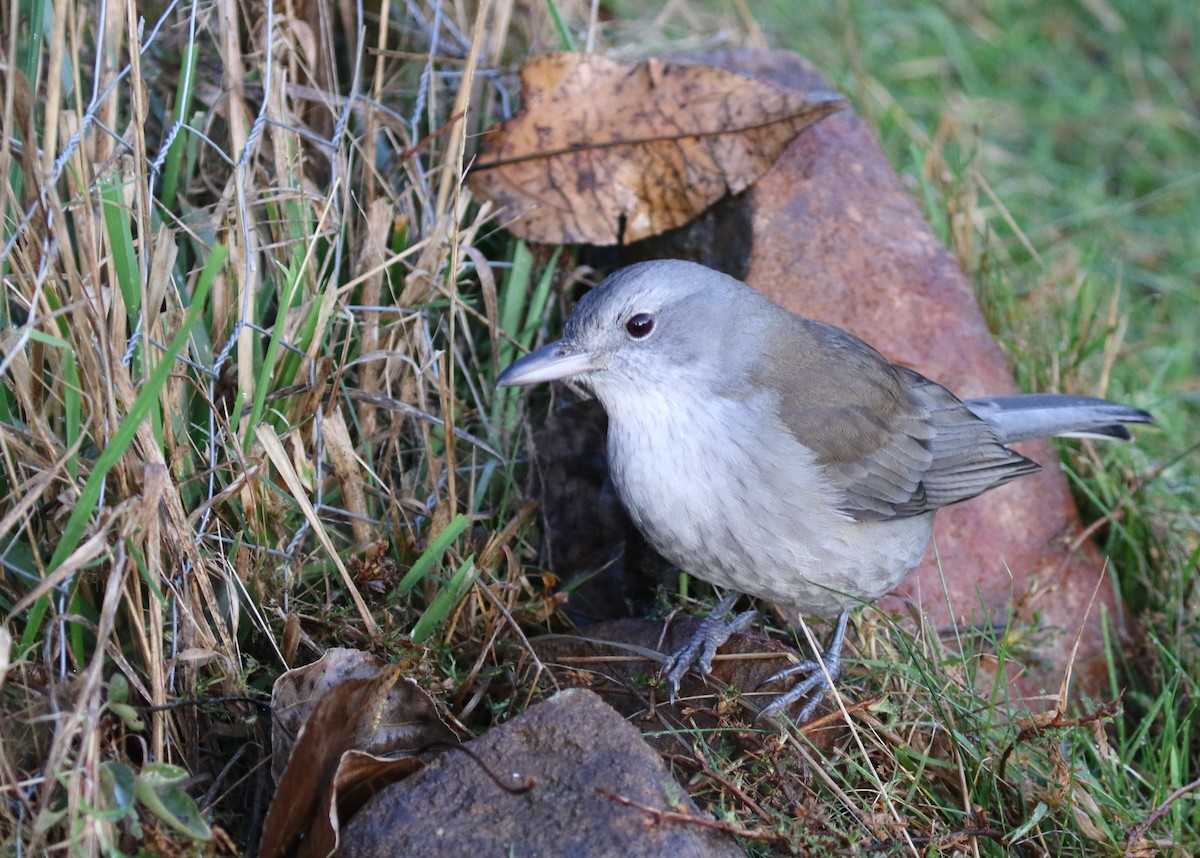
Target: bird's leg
column 815, row 684
column 699, row 651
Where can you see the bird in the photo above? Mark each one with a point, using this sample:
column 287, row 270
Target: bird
column 781, row 457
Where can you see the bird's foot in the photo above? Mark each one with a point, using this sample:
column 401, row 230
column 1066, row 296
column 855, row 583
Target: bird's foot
column 699, row 651
column 817, row 678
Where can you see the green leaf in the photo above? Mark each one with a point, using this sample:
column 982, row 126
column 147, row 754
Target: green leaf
column 117, row 785
column 161, row 775
column 128, row 715
column 443, row 603
column 120, row 236
column 118, row 689
column 1039, row 813
column 183, row 103
column 156, row 791
column 432, row 554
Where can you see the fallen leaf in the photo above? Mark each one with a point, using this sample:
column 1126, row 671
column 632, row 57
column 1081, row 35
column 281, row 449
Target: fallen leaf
column 359, row 776
column 297, row 691
column 607, row 153
column 363, row 724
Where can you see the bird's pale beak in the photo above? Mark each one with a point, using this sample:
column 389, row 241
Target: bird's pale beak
column 555, row 361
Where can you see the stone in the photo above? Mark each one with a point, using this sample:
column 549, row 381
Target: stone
column 578, row 753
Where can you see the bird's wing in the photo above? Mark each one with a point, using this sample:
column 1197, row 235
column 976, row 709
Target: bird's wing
column 892, row 442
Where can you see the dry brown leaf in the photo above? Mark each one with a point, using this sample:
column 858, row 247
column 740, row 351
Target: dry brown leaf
column 607, row 153
column 348, row 469
column 354, row 709
column 297, row 691
column 358, row 777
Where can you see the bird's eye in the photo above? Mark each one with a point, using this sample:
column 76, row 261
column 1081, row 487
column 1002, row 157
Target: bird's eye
column 640, row 325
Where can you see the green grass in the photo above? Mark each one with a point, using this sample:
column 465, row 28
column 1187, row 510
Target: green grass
column 295, row 451
column 1080, row 120
column 1074, row 127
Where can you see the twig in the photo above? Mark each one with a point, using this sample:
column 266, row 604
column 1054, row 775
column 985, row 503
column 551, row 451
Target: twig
column 1033, row 729
column 1138, row 833
column 706, row 770
column 692, row 819
column 938, row 839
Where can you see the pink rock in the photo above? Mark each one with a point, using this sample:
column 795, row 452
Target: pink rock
column 835, row 236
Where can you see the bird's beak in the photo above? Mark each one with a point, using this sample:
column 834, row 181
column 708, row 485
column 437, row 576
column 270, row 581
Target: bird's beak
column 555, row 361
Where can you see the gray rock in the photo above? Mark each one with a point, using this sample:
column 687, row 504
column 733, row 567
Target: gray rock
column 572, row 746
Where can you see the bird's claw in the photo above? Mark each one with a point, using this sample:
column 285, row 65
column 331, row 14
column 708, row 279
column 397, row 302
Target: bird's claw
column 814, row 686
column 815, row 676
column 714, row 631
column 817, row 681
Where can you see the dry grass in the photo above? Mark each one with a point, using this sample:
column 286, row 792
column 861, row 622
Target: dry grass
column 246, row 304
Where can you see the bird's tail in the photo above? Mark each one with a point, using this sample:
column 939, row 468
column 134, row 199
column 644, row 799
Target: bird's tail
column 1035, row 415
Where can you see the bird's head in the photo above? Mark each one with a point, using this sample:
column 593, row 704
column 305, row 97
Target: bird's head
column 654, row 325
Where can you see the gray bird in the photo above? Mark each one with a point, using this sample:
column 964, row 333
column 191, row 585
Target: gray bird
column 778, row 456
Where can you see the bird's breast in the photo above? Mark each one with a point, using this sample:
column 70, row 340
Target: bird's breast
column 735, row 500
